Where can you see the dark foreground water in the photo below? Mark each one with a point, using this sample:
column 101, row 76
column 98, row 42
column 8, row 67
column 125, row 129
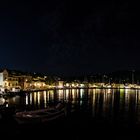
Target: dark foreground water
column 91, row 114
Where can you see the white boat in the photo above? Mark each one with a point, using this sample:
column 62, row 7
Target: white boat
column 40, row 116
column 16, row 89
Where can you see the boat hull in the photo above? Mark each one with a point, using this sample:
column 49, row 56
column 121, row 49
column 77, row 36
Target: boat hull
column 40, row 116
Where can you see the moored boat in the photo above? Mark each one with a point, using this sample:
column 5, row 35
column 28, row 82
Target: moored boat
column 40, row 116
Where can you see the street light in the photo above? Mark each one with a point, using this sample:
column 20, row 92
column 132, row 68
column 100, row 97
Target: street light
column 133, row 76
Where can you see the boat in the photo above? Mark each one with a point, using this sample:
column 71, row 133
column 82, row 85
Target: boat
column 41, row 115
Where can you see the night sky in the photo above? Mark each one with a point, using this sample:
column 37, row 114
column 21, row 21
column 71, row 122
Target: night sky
column 69, row 38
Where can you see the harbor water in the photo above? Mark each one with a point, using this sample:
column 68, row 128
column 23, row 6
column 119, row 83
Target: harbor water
column 91, row 113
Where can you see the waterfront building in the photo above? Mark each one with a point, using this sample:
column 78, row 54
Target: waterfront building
column 11, row 82
column 35, row 85
column 23, row 80
column 10, row 79
column 60, row 84
column 3, row 76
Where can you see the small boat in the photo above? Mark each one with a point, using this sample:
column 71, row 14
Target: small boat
column 40, row 116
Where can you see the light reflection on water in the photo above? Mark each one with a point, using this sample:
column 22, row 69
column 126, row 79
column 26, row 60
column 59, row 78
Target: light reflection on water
column 45, row 98
column 2, row 100
column 123, row 104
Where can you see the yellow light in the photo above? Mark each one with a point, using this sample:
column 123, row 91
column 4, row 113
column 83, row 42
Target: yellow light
column 26, row 99
column 67, row 85
column 73, row 85
column 31, row 98
column 38, row 98
column 39, row 84
column 45, row 98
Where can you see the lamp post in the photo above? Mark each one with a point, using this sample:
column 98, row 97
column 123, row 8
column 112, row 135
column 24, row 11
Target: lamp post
column 133, row 81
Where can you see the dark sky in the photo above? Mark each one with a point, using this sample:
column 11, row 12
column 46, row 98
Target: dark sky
column 69, row 38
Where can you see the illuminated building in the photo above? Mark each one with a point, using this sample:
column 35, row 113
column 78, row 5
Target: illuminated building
column 60, row 84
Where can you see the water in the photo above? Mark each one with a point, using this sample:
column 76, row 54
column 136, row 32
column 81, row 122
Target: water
column 98, row 111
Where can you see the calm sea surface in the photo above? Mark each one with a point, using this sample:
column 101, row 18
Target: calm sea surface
column 91, row 112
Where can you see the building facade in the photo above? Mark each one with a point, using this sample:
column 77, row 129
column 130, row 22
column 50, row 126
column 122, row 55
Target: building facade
column 3, row 76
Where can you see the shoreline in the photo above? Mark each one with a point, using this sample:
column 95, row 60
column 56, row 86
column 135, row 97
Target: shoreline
column 25, row 92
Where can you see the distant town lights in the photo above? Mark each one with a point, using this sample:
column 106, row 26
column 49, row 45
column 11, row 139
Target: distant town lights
column 60, row 86
column 67, row 84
